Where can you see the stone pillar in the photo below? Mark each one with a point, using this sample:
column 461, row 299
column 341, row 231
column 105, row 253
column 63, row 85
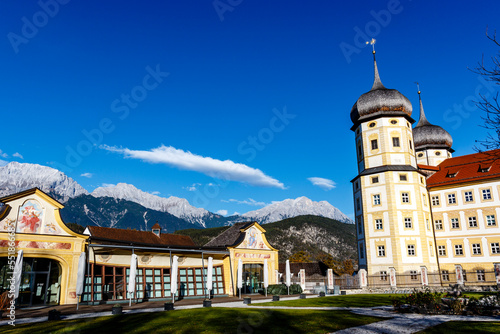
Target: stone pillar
column 363, row 279
column 392, row 277
column 423, row 276
column 459, row 274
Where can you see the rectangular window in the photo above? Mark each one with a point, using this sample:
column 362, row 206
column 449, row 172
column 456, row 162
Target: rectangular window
column 468, row 196
column 383, row 275
column 442, row 250
column 361, row 251
column 408, row 223
column 451, row 199
column 476, row 249
column 403, row 177
column 480, row 275
column 438, row 224
column 358, row 204
column 427, row 224
column 455, row 223
column 411, row 145
column 490, row 220
column 376, row 199
column 464, row 274
column 486, row 194
column 495, row 247
column 381, row 250
column 472, row 222
column 395, row 141
column 459, row 250
column 435, row 200
column 445, row 275
column 413, row 275
column 360, row 227
column 378, row 224
column 374, row 144
column 375, row 179
column 411, row 250
column 405, row 197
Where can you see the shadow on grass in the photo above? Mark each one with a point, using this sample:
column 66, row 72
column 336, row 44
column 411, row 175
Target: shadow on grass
column 465, row 327
column 361, row 300
column 213, row 320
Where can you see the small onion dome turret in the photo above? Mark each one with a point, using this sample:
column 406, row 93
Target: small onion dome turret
column 426, row 135
column 380, row 101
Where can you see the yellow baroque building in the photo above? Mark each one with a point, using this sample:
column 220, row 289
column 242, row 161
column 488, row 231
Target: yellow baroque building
column 51, row 254
column 422, row 216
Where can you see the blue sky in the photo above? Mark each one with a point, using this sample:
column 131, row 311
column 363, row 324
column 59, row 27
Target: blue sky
column 230, row 104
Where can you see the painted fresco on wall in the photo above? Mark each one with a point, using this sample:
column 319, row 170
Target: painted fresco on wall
column 253, row 240
column 37, row 244
column 30, row 217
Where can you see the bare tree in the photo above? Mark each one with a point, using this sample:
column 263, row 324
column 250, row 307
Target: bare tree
column 490, row 105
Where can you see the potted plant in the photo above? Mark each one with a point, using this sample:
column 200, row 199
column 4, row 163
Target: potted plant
column 117, row 309
column 276, row 298
column 169, row 306
column 207, row 303
column 54, row 315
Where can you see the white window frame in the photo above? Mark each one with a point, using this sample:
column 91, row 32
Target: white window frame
column 379, row 224
column 495, row 247
column 405, row 197
column 468, row 196
column 452, row 199
column 411, row 250
column 481, row 276
column 476, row 249
column 438, row 224
column 408, row 222
column 473, row 221
column 441, row 250
column 486, row 194
column 381, row 250
column 459, row 250
column 435, row 200
column 490, row 220
column 455, row 223
column 376, row 199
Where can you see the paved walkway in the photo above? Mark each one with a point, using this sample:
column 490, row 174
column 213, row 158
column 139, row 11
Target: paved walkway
column 397, row 322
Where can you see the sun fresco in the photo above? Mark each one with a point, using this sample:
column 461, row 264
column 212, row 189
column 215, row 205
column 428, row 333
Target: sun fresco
column 30, row 217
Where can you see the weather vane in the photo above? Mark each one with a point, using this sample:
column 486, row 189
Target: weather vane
column 372, row 43
column 418, row 87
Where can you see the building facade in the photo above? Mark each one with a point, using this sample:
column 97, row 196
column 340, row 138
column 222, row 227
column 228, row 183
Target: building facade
column 422, row 216
column 51, row 254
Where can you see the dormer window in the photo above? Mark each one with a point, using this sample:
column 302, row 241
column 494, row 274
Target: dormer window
column 451, row 174
column 484, row 169
column 156, row 229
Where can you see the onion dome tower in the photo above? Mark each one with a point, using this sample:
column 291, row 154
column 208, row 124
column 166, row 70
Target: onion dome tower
column 391, row 211
column 432, row 142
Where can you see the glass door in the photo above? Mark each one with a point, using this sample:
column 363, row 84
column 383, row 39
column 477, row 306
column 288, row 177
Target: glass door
column 252, row 278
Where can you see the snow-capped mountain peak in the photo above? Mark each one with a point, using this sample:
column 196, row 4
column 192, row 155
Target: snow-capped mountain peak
column 178, row 207
column 296, row 207
column 16, row 177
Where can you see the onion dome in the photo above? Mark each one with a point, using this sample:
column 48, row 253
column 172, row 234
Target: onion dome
column 427, row 135
column 380, row 101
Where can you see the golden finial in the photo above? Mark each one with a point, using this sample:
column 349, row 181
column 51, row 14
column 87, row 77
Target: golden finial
column 418, row 87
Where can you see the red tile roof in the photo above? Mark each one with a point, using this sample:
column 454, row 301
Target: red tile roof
column 467, row 168
column 427, row 167
column 139, row 237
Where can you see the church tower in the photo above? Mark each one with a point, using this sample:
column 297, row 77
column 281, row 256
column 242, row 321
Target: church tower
column 392, row 212
column 432, row 142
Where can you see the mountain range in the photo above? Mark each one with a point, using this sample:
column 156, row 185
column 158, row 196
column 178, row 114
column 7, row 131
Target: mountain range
column 125, row 206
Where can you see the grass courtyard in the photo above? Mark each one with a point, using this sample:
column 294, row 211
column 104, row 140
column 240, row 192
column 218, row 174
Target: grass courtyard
column 205, row 320
column 361, row 300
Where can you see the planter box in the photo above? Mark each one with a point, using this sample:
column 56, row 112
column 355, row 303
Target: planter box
column 207, row 303
column 116, row 310
column 247, row 300
column 322, row 294
column 276, row 298
column 54, row 315
column 302, row 296
column 170, row 306
column 343, row 293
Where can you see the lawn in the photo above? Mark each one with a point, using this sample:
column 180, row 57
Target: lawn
column 361, row 300
column 465, row 327
column 205, row 320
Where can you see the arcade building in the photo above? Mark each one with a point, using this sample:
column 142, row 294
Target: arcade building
column 51, row 253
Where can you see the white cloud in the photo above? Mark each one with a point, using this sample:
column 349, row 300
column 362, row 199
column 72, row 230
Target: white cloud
column 249, row 201
column 222, row 212
column 18, row 155
column 107, row 185
column 154, row 192
column 88, row 175
column 225, row 170
column 3, row 163
column 324, row 184
column 192, row 187
column 3, row 154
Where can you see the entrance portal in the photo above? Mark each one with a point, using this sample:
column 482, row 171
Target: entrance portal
column 40, row 281
column 252, row 278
